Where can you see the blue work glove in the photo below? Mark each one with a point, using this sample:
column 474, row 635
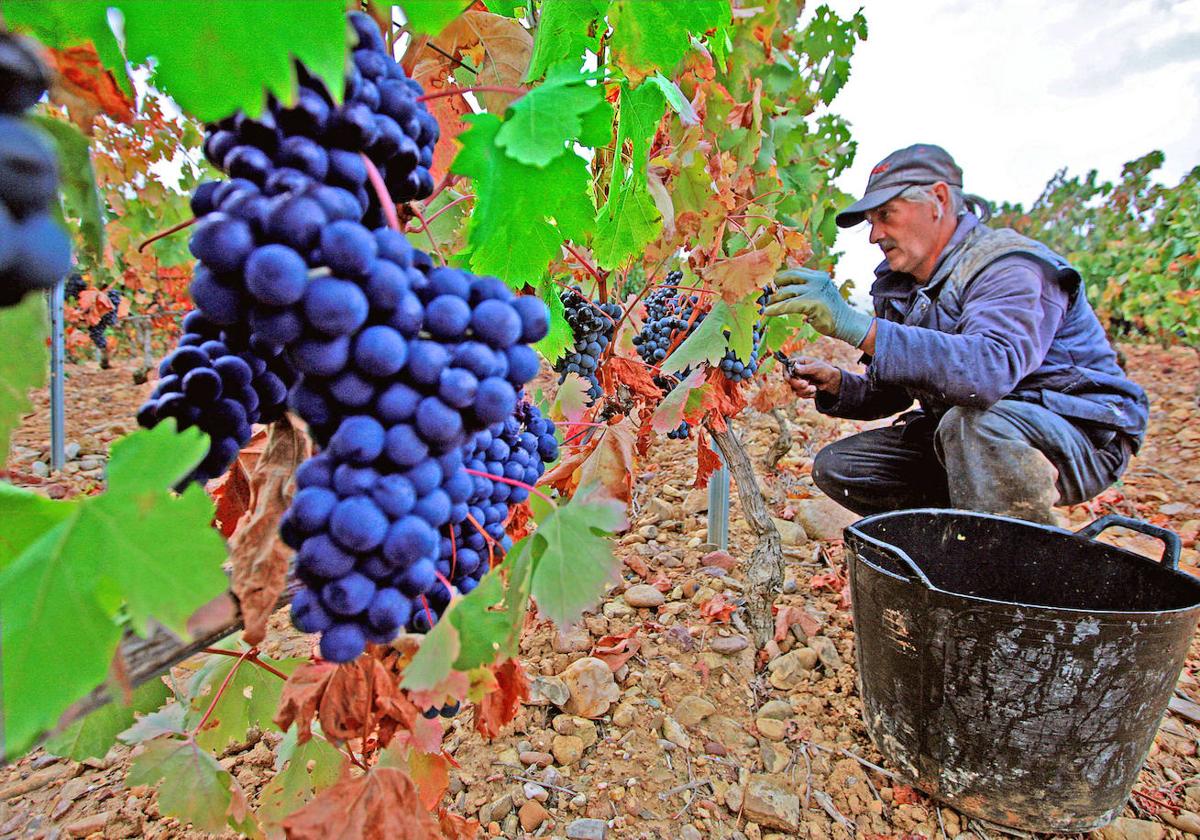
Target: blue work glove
column 803, row 291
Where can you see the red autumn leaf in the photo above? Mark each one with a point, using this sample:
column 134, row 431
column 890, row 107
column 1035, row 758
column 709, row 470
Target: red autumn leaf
column 738, row 276
column 635, row 376
column 707, row 461
column 382, row 804
column 499, row 707
column 617, row 649
column 833, row 581
column 258, row 556
column 724, row 398
column 232, row 494
column 717, row 609
column 86, row 87
column 301, row 697
column 435, row 73
column 455, row 827
column 431, row 774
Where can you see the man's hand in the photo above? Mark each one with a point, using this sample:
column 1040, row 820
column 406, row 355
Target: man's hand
column 807, row 376
column 803, row 291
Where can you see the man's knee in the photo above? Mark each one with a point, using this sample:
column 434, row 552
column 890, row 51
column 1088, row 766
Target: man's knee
column 830, row 470
column 963, row 423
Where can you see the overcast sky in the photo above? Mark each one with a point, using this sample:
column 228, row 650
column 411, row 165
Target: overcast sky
column 1016, row 89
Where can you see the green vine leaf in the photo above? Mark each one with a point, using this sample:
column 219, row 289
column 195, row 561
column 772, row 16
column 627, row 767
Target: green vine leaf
column 552, row 203
column 572, row 559
column 301, row 772
column 628, row 222
column 215, row 57
column 23, row 364
column 64, row 588
column 250, row 700
column 655, row 36
column 542, row 123
column 564, row 31
column 94, row 734
column 192, row 786
column 560, row 338
column 430, row 17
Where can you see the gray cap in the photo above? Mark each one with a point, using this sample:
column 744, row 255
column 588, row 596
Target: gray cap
column 919, row 164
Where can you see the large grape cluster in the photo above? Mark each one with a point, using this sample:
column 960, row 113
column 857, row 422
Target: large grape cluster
column 397, row 367
column 35, row 252
column 295, row 206
column 592, row 325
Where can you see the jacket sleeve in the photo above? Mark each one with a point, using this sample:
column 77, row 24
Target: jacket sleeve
column 862, row 399
column 1010, row 315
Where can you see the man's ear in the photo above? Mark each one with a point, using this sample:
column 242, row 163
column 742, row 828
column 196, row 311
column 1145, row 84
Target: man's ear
column 942, row 191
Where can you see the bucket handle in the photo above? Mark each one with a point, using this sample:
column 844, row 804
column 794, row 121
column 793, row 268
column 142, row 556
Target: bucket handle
column 1171, row 542
column 898, row 553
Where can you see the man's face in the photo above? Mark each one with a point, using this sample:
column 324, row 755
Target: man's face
column 908, row 233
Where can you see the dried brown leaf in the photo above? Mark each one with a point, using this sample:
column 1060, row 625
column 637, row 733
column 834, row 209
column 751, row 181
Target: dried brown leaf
column 499, row 707
column 499, row 47
column 86, row 88
column 383, row 804
column 302, row 695
column 258, row 556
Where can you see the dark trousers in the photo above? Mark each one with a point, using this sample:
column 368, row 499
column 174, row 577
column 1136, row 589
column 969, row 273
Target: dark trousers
column 1015, row 459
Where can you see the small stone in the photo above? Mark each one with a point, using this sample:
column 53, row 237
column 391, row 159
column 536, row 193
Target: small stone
column 535, row 758
column 591, row 687
column 643, row 595
column 790, row 533
column 40, row 469
column 574, row 639
column 533, row 790
column 826, row 652
column 792, row 669
column 715, row 748
column 774, row 757
column 567, row 749
column 674, row 733
column 692, row 709
column 71, row 450
column 729, row 645
column 587, row 830
column 696, row 501
column 624, row 715
column 617, row 609
column 790, row 586
column 650, row 532
column 768, row 803
column 548, row 691
column 771, row 729
column 497, row 809
column 532, row 814
column 578, row 801
column 1126, row 828
column 1185, row 821
column 822, row 518
column 583, row 728
column 776, row 710
column 689, row 832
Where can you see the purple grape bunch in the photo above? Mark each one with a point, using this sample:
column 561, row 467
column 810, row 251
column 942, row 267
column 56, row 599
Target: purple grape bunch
column 399, row 368
column 295, row 202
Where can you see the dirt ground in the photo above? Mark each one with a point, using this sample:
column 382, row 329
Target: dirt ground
column 698, row 740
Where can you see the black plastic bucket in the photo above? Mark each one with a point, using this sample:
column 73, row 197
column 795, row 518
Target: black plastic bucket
column 1016, row 671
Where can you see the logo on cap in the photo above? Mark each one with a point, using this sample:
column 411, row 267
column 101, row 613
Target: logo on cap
column 881, row 168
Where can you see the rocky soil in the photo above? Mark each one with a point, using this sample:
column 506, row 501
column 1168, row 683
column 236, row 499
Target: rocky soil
column 655, row 717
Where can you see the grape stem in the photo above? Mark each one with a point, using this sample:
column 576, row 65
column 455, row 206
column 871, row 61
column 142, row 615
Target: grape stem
column 425, row 226
column 428, row 612
column 514, row 483
column 381, row 191
column 458, row 91
column 590, row 268
column 442, row 210
column 487, row 539
column 689, row 288
column 162, row 234
column 253, row 658
column 221, row 691
column 755, row 198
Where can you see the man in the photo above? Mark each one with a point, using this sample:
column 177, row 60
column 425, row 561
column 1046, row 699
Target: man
column 1022, row 403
